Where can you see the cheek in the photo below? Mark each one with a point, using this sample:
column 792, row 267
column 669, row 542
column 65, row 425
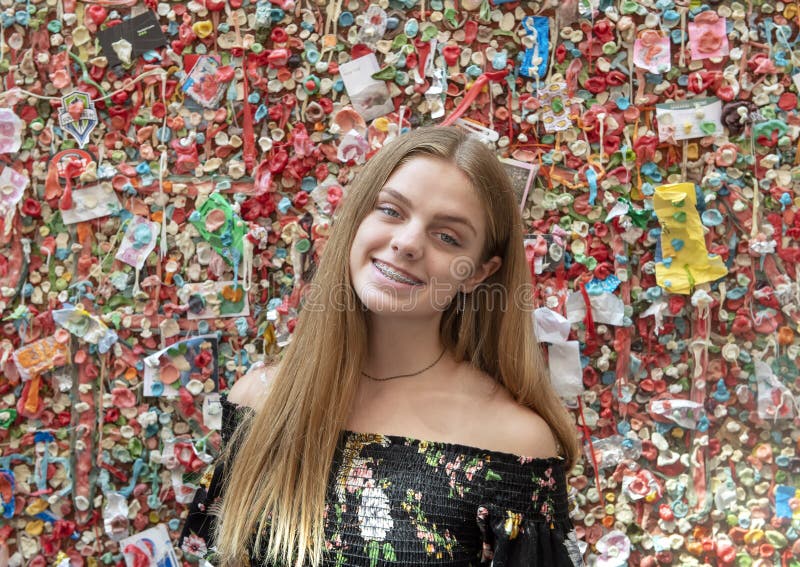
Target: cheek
column 361, row 243
column 355, row 255
column 367, row 235
column 459, row 267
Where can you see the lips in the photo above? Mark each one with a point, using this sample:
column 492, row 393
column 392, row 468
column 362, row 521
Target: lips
column 383, row 266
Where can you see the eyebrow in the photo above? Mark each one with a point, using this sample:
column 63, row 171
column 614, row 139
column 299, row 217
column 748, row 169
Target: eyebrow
column 443, row 217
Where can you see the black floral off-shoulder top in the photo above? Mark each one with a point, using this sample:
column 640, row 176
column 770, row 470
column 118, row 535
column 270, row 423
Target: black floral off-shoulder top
column 393, row 500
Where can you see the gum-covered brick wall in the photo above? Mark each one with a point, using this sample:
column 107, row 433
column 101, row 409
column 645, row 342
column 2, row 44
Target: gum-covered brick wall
column 169, row 174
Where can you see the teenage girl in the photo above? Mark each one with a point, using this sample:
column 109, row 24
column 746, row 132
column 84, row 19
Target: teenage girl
column 411, row 420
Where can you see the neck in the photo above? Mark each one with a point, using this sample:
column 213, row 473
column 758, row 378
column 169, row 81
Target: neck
column 401, row 345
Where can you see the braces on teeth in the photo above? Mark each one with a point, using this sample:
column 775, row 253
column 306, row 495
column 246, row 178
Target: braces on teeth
column 394, row 275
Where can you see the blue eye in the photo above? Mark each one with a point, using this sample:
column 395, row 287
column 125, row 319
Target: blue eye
column 388, row 210
column 450, row 240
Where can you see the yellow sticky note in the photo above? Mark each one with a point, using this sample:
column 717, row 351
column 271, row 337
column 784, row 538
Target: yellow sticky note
column 686, row 261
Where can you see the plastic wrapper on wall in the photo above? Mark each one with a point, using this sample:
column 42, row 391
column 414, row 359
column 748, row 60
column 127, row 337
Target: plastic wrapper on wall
column 168, row 175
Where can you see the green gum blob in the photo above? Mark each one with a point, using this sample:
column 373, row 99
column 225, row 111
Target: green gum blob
column 616, row 159
column 399, row 41
column 429, row 32
column 628, row 7
column 135, row 447
column 777, row 539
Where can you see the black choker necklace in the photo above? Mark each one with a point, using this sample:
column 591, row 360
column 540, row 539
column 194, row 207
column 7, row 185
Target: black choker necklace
column 406, row 375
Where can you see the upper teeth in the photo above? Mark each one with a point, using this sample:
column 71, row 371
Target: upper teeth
column 393, row 274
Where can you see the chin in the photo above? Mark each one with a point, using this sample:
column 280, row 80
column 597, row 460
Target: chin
column 380, row 302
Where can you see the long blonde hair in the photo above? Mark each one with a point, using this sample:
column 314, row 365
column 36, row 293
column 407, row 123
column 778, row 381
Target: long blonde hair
column 276, row 489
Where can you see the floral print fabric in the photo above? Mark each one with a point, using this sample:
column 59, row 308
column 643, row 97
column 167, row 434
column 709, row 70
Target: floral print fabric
column 399, row 501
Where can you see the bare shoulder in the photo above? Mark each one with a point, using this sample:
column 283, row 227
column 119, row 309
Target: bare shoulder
column 251, row 389
column 512, row 427
column 521, row 430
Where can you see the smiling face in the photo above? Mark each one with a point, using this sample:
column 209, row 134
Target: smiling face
column 422, row 241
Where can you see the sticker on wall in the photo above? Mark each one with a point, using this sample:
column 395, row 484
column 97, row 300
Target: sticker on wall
column 369, row 97
column 686, row 261
column 139, row 241
column 775, row 399
column 12, row 186
column 651, row 52
column 708, row 36
column 563, row 355
column 78, row 116
column 521, row 174
column 534, row 62
column 131, row 38
column 554, row 108
column 86, row 326
column 221, row 227
column 95, row 201
column 203, row 83
column 151, row 547
column 10, row 131
column 688, row 119
column 69, row 165
column 41, row 356
column 212, row 299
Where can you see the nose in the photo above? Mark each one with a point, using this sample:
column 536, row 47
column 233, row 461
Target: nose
column 407, row 242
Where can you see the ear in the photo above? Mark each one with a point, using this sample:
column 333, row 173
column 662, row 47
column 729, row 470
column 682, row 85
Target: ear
column 487, row 269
